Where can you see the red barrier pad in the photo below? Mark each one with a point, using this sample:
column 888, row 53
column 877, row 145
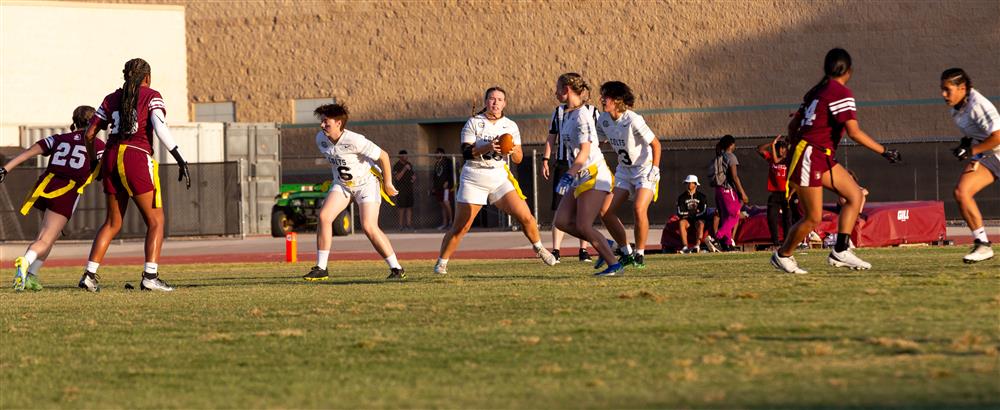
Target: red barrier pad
column 670, row 239
column 894, row 223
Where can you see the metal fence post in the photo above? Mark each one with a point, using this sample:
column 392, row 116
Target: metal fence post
column 243, row 198
column 534, row 184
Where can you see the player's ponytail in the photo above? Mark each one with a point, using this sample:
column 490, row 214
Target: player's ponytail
column 81, row 117
column 957, row 76
column 135, row 72
column 576, row 83
column 837, row 63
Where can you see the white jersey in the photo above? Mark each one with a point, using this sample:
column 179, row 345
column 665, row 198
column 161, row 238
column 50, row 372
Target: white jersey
column 480, row 131
column 978, row 118
column 629, row 136
column 351, row 157
column 578, row 127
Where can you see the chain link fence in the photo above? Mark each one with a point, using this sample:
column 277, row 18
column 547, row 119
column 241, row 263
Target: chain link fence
column 210, row 207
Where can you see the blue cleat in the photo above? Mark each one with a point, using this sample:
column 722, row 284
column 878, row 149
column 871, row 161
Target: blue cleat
column 612, row 270
column 600, row 259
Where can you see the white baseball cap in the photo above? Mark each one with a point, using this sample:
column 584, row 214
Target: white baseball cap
column 690, row 179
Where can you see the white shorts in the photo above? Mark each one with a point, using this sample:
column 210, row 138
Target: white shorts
column 367, row 192
column 632, row 179
column 483, row 186
column 601, row 179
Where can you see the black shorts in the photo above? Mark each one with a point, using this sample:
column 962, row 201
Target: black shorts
column 558, row 171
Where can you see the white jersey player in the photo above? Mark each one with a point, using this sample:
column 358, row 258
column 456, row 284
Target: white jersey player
column 486, row 178
column 351, row 156
column 978, row 120
column 638, row 173
column 588, row 177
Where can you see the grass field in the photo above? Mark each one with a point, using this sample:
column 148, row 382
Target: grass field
column 693, row 331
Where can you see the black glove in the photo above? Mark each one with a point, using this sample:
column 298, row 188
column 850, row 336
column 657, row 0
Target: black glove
column 182, row 166
column 3, row 174
column 892, row 155
column 964, row 149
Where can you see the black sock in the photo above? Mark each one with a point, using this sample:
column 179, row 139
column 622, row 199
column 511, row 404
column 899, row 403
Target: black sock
column 842, row 244
column 148, row 275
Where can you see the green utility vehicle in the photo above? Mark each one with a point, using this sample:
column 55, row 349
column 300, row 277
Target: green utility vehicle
column 297, row 207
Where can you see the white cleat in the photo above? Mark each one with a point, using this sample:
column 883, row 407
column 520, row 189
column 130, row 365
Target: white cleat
column 786, row 264
column 980, row 251
column 847, row 259
column 89, row 282
column 546, row 256
column 155, row 283
column 440, row 269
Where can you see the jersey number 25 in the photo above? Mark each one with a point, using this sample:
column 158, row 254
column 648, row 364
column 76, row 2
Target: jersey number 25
column 77, row 155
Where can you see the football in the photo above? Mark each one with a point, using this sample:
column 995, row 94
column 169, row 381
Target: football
column 506, row 144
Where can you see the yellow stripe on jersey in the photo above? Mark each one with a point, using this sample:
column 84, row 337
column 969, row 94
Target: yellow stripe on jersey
column 121, row 168
column 381, row 190
column 799, row 149
column 517, row 187
column 39, row 192
column 656, row 190
column 158, row 200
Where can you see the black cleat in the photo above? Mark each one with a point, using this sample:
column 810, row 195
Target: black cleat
column 396, row 274
column 585, row 256
column 89, row 282
column 555, row 252
column 316, row 274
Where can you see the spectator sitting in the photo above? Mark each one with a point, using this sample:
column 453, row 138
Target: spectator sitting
column 404, row 178
column 692, row 207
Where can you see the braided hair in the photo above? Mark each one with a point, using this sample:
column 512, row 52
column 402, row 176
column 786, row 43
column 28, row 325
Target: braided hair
column 135, row 72
column 576, row 83
column 957, row 76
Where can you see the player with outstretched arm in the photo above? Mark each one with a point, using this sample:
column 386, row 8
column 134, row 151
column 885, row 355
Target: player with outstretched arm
column 827, row 110
column 355, row 178
column 57, row 191
column 486, row 178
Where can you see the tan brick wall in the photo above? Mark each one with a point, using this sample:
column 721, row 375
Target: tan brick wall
column 399, row 60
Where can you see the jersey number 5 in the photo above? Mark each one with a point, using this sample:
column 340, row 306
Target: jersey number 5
column 77, row 155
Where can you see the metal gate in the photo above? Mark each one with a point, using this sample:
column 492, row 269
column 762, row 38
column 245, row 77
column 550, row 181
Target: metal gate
column 257, row 147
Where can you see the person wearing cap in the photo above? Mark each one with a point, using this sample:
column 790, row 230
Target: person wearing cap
column 404, row 178
column 692, row 207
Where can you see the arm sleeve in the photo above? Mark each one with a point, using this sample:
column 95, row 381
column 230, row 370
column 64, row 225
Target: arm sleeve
column 843, row 107
column 586, row 129
column 156, row 104
column 47, row 144
column 731, row 159
column 516, row 133
column 641, row 131
column 162, row 131
column 985, row 115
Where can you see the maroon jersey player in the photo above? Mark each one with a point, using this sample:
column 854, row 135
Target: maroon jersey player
column 131, row 114
column 827, row 111
column 56, row 193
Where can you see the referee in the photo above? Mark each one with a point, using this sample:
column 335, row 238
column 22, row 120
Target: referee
column 562, row 156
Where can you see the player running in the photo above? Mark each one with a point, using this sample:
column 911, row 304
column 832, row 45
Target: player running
column 129, row 170
column 638, row 174
column 56, row 193
column 978, row 120
column 816, row 129
column 588, row 177
column 351, row 156
column 486, row 178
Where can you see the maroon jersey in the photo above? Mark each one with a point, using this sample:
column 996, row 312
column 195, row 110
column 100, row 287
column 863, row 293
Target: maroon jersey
column 69, row 155
column 824, row 117
column 141, row 136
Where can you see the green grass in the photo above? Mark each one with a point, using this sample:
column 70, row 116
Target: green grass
column 693, row 331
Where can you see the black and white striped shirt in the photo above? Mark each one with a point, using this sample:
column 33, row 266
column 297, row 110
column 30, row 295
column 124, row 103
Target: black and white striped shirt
column 562, row 152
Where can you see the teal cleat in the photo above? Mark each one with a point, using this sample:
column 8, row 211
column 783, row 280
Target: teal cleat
column 32, row 283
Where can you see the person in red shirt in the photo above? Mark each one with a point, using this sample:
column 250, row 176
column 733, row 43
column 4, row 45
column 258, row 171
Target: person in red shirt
column 828, row 109
column 130, row 171
column 56, row 193
column 778, row 209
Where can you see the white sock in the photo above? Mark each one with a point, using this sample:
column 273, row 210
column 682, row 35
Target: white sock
column 393, row 263
column 537, row 245
column 150, row 268
column 976, row 233
column 92, row 266
column 30, row 256
column 442, row 262
column 641, row 251
column 35, row 266
column 626, row 249
column 321, row 258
